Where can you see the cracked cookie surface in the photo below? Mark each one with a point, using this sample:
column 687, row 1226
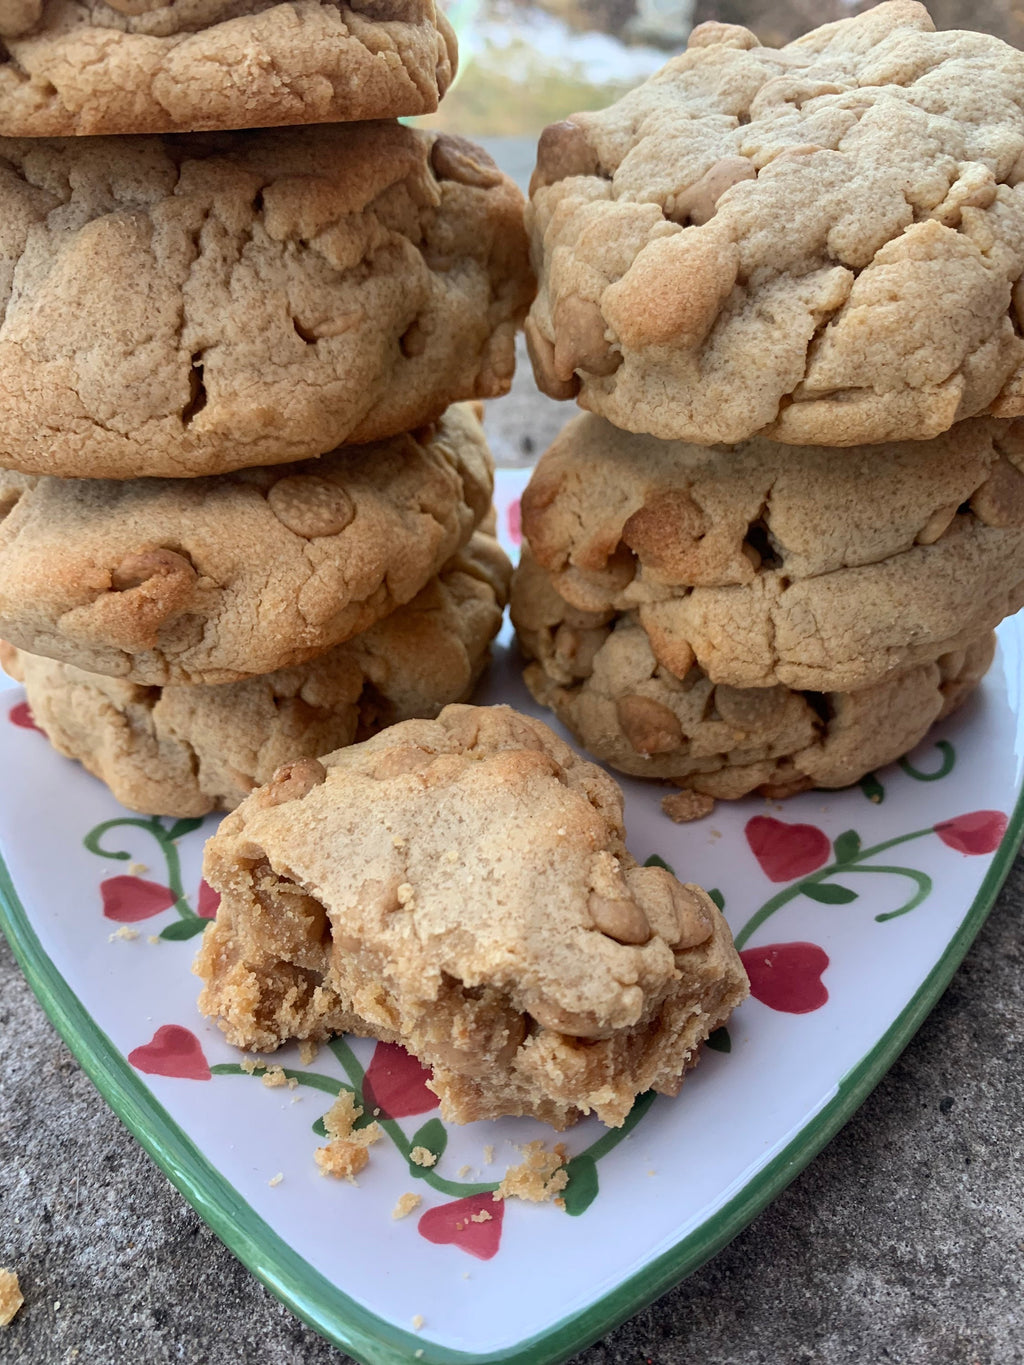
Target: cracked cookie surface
column 212, row 580
column 816, row 568
column 461, row 886
column 293, row 290
column 601, row 677
column 822, row 243
column 185, row 751
column 142, row 66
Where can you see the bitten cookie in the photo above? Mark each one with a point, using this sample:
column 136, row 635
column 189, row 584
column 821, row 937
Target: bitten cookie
column 212, row 580
column 600, row 676
column 291, row 290
column 156, row 66
column 461, row 886
column 819, row 569
column 189, row 750
column 821, row 243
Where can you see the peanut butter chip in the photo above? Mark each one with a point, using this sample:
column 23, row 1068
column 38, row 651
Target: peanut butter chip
column 311, row 506
column 294, row 780
column 580, row 341
column 18, row 16
column 456, row 158
column 649, row 726
column 563, row 150
column 134, row 570
column 623, row 921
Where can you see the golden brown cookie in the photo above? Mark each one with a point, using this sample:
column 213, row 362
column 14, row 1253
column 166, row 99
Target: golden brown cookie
column 142, row 66
column 461, row 886
column 812, row 567
column 822, row 243
column 182, row 306
column 188, row 750
column 599, row 674
column 212, row 580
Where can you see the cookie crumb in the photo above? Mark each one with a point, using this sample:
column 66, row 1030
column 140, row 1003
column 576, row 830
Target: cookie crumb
column 405, row 894
column 489, row 1155
column 275, row 1180
column 11, row 1297
column 346, row 1154
column 137, row 869
column 292, row 1083
column 423, row 1156
column 250, row 1065
column 539, row 1177
column 482, row 1217
column 406, row 1204
column 686, row 805
column 417, row 1321
column 154, row 938
column 125, row 932
column 463, row 1172
column 307, row 1051
column 274, row 1077
column 418, row 1355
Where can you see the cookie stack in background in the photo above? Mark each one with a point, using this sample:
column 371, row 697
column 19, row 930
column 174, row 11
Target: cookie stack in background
column 788, row 285
column 241, row 521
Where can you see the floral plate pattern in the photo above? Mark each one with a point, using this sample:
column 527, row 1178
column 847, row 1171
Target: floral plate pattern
column 851, row 910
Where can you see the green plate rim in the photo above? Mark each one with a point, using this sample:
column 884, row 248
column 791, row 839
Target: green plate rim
column 345, row 1323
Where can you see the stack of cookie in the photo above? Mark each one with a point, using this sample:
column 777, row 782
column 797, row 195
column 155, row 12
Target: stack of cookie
column 788, row 285
column 242, row 521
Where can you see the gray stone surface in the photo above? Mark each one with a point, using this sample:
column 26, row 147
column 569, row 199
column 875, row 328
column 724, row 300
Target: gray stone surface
column 901, row 1243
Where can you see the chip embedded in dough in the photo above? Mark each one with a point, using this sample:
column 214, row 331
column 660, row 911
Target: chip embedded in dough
column 143, row 66
column 822, row 243
column 291, row 290
column 461, row 886
column 212, row 580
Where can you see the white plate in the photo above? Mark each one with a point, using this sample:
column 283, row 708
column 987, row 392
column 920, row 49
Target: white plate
column 853, row 913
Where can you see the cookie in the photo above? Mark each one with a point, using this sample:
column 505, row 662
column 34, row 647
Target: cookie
column 822, row 243
column 815, row 568
column 142, row 66
column 600, row 676
column 292, row 290
column 188, row 750
column 160, row 581
column 461, row 886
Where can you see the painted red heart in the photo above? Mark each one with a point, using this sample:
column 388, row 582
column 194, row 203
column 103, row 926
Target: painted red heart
column 453, row 1225
column 172, row 1051
column 786, row 852
column 127, row 899
column 515, row 522
column 396, row 1084
column 981, row 831
column 208, row 900
column 21, row 715
column 787, row 976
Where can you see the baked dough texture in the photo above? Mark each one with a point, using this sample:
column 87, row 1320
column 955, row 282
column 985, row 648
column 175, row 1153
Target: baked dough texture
column 601, row 677
column 160, row 581
column 461, row 886
column 822, row 243
column 185, row 751
column 142, row 66
column 183, row 306
column 818, row 569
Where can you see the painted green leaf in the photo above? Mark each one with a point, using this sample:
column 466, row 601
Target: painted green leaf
column 582, row 1188
column 185, row 826
column 717, row 897
column 655, row 861
column 434, row 1136
column 847, row 846
column 719, row 1041
column 318, row 1127
column 184, row 928
column 872, row 789
column 827, row 894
